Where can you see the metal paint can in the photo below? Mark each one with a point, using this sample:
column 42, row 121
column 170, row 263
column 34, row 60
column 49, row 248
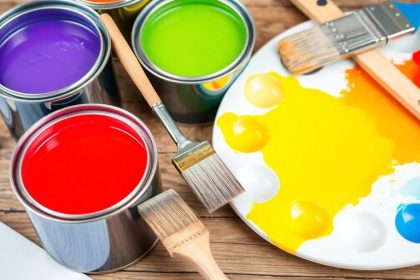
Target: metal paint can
column 124, row 12
column 193, row 100
column 101, row 241
column 21, row 110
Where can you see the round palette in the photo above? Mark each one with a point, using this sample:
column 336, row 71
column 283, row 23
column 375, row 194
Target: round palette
column 330, row 162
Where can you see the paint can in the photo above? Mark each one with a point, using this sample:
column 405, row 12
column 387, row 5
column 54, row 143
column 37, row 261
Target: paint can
column 192, row 73
column 53, row 54
column 84, row 228
column 124, row 12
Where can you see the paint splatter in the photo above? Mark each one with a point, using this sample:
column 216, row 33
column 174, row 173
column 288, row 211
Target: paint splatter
column 407, row 222
column 263, row 90
column 326, row 150
column 412, row 188
column 244, row 134
column 392, row 120
column 416, row 59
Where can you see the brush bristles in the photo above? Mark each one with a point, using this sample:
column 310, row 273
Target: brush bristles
column 167, row 213
column 307, row 50
column 212, row 182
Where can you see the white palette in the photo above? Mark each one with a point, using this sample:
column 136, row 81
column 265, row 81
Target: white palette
column 364, row 235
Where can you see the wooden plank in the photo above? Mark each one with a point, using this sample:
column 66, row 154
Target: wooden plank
column 222, row 230
column 237, row 250
column 129, row 275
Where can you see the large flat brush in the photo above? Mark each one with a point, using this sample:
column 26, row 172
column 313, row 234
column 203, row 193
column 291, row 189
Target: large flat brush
column 181, row 232
column 344, row 37
column 372, row 61
column 197, row 162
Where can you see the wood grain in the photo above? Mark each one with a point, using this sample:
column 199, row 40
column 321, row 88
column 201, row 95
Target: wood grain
column 241, row 253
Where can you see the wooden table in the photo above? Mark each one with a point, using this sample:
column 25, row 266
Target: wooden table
column 241, row 253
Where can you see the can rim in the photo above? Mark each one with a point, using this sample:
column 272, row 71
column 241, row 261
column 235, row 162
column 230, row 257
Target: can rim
column 81, row 10
column 85, row 109
column 145, row 14
column 111, row 5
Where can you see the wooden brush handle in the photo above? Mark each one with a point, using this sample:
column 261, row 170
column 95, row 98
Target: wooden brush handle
column 199, row 254
column 373, row 62
column 193, row 245
column 130, row 62
column 317, row 13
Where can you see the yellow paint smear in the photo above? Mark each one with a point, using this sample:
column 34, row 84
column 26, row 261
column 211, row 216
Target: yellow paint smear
column 392, row 120
column 326, row 151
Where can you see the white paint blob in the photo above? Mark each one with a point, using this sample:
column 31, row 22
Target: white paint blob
column 260, row 182
column 362, row 231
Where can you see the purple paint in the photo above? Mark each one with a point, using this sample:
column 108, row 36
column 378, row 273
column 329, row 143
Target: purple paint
column 47, row 55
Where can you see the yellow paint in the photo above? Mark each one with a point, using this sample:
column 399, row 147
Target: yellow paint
column 326, row 151
column 264, row 90
column 308, row 220
column 244, row 134
column 392, row 120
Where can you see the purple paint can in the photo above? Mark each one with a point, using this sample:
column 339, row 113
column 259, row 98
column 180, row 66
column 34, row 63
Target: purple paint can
column 53, row 54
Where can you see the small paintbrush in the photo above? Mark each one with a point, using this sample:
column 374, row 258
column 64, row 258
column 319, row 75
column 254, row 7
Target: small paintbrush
column 197, row 162
column 349, row 35
column 181, row 232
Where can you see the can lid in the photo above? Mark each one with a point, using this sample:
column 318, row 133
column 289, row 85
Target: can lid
column 154, row 6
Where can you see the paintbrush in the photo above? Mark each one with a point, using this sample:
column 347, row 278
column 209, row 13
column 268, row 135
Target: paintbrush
column 197, row 162
column 373, row 62
column 354, row 33
column 181, row 232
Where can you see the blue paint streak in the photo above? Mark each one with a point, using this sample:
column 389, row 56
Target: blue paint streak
column 407, row 222
column 412, row 188
column 411, row 11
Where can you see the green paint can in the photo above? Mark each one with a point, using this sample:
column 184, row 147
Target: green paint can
column 193, row 50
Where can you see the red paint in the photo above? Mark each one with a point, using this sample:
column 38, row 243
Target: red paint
column 416, row 79
column 84, row 164
column 416, row 57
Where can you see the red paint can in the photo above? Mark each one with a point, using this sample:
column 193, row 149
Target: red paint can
column 80, row 173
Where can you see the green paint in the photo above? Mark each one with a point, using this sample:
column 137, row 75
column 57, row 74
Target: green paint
column 193, row 38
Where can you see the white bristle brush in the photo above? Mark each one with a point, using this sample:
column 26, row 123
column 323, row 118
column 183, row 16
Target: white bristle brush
column 197, row 162
column 372, row 61
column 181, row 232
column 344, row 37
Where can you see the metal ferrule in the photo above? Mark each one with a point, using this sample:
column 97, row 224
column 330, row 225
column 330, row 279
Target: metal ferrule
column 367, row 28
column 170, row 125
column 189, row 153
column 389, row 19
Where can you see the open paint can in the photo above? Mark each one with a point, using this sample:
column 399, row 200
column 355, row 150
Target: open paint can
column 193, row 50
column 80, row 172
column 124, row 12
column 53, row 54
